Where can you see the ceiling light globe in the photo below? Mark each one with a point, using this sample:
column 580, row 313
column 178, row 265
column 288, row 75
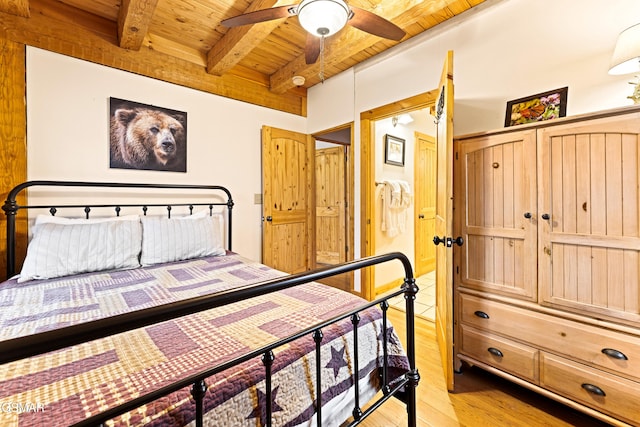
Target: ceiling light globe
column 323, row 17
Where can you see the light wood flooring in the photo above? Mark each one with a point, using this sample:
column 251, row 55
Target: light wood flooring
column 481, row 399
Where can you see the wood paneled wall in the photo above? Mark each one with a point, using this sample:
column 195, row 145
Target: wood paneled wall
column 13, row 134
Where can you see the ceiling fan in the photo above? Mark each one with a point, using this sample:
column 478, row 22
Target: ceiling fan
column 322, row 18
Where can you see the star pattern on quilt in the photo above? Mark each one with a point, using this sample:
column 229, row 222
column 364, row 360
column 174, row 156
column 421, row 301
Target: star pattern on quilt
column 391, row 337
column 337, row 361
column 260, row 409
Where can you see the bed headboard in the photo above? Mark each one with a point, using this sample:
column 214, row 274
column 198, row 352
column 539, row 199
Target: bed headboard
column 220, row 196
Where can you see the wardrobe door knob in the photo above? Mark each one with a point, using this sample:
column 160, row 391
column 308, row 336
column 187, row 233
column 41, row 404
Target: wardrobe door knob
column 546, row 216
column 527, row 215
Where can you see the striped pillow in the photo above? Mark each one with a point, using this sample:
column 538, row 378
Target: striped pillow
column 176, row 239
column 79, row 246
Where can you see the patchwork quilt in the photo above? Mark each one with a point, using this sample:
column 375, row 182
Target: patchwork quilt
column 66, row 386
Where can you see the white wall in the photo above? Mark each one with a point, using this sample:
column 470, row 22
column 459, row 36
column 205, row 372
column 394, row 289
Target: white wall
column 503, row 50
column 68, row 133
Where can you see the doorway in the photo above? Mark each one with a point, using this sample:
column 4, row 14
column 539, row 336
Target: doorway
column 440, row 103
column 374, row 126
column 334, row 202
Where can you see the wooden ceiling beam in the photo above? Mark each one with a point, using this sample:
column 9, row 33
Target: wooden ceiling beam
column 238, row 42
column 145, row 37
column 54, row 35
column 15, row 7
column 341, row 46
column 134, row 19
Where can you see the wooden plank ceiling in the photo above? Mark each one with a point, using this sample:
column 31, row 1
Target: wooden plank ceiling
column 182, row 41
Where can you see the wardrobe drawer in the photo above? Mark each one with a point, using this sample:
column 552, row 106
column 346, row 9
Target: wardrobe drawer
column 502, row 353
column 605, row 392
column 603, row 348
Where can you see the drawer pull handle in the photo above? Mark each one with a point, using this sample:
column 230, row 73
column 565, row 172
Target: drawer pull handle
column 495, row 352
column 481, row 314
column 594, row 389
column 615, row 354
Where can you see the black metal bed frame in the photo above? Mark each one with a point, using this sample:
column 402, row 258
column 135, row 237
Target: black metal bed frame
column 39, row 343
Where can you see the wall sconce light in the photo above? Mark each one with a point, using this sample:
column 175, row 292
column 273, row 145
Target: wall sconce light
column 626, row 55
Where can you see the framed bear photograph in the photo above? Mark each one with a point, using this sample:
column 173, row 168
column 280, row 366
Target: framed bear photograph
column 146, row 137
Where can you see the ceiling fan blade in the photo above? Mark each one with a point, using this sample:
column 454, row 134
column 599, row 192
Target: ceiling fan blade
column 261, row 16
column 373, row 24
column 312, row 49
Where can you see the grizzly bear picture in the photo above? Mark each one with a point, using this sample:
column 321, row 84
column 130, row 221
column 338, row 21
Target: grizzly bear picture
column 147, row 138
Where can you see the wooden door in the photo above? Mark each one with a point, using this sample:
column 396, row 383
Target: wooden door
column 589, row 217
column 444, row 220
column 288, row 194
column 330, row 206
column 425, row 203
column 497, row 195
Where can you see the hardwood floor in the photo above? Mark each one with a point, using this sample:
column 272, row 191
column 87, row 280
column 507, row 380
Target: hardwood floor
column 481, row 399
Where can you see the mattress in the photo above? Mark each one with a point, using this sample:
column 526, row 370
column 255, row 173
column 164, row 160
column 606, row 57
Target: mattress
column 66, row 386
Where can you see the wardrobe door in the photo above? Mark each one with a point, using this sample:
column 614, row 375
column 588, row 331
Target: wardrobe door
column 498, row 176
column 589, row 209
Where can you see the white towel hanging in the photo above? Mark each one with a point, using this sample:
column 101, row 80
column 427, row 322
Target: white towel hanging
column 396, row 198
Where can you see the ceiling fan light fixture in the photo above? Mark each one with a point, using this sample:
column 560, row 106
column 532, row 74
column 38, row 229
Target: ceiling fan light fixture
column 323, row 18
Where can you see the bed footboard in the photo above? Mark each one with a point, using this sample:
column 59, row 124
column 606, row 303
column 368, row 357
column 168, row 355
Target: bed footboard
column 39, row 343
column 392, row 381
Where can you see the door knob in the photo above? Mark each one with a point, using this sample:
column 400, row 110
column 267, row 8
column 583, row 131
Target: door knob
column 545, row 216
column 527, row 215
column 421, row 216
column 269, row 218
column 448, row 241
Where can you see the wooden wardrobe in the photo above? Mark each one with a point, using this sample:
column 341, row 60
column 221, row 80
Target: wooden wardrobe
column 547, row 289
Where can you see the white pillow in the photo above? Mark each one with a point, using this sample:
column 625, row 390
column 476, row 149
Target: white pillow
column 64, row 247
column 175, row 239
